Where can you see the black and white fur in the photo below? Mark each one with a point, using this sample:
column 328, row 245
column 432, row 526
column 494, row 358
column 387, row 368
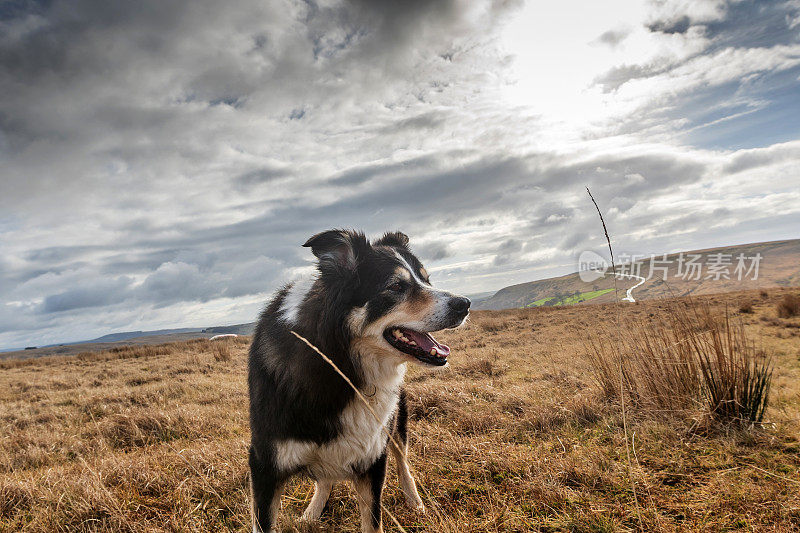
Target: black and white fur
column 304, row 417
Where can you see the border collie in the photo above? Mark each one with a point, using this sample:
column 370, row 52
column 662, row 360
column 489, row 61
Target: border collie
column 370, row 309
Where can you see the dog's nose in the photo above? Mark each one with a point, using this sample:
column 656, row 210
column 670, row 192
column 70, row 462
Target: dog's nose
column 459, row 304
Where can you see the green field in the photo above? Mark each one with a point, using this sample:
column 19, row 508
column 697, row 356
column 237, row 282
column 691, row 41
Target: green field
column 570, row 300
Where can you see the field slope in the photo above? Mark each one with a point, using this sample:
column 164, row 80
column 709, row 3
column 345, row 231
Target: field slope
column 779, row 267
column 515, row 436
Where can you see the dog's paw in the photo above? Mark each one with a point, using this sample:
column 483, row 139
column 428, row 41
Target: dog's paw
column 309, row 525
column 416, row 505
column 257, row 529
column 309, row 518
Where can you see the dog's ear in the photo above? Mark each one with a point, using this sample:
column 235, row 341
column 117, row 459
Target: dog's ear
column 393, row 238
column 340, row 248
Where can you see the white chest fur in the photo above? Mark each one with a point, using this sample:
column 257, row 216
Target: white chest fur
column 362, row 438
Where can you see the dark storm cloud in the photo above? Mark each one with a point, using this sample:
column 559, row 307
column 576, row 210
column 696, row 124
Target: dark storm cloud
column 506, row 251
column 395, row 25
column 391, row 19
column 175, row 282
column 170, row 282
column 433, row 251
column 427, row 195
column 572, row 242
column 122, row 259
column 621, row 203
column 551, row 214
column 260, row 176
column 613, row 37
column 745, row 24
column 425, row 198
column 432, row 120
column 618, row 76
column 132, row 82
column 95, row 293
column 55, row 255
column 678, row 25
column 750, row 159
column 364, row 173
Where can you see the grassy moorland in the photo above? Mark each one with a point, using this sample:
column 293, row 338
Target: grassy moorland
column 570, row 300
column 778, row 267
column 516, row 435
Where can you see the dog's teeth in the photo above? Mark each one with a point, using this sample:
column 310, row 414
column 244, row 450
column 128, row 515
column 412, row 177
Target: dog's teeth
column 412, row 343
column 397, row 334
column 433, row 351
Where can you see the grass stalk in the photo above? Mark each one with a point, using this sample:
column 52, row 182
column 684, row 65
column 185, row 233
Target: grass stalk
column 621, row 373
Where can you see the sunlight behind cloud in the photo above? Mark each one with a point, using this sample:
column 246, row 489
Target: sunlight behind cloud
column 561, row 49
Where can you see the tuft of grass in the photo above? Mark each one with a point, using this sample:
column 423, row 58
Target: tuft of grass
column 128, row 431
column 693, row 362
column 789, row 306
column 736, row 375
column 653, row 363
column 221, row 350
column 746, row 307
column 12, row 499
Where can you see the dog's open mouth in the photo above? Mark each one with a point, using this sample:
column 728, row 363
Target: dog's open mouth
column 417, row 344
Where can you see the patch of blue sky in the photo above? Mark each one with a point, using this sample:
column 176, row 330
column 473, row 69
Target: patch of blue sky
column 739, row 116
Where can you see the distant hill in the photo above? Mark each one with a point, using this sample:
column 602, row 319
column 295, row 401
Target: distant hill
column 94, row 346
column 779, row 266
column 125, row 335
column 128, row 338
column 480, row 296
column 238, row 329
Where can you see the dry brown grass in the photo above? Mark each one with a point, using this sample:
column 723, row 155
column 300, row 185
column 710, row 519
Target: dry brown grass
column 122, row 352
column 515, row 436
column 746, row 307
column 690, row 361
column 789, row 306
column 223, row 349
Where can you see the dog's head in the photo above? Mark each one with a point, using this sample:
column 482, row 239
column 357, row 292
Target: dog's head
column 385, row 295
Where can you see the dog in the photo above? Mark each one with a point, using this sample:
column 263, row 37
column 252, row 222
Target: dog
column 370, row 308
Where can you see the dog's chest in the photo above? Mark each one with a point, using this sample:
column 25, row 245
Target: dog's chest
column 361, row 441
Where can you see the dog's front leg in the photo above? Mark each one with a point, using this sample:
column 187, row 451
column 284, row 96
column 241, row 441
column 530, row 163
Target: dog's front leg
column 265, row 492
column 322, row 490
column 399, row 447
column 369, row 488
column 407, row 483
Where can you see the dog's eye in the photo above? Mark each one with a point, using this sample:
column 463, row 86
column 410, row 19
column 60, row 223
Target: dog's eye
column 396, row 287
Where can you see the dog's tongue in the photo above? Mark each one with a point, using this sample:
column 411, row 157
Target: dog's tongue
column 427, row 342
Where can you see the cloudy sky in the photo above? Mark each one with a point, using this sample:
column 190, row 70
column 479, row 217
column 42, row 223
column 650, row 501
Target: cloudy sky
column 162, row 162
